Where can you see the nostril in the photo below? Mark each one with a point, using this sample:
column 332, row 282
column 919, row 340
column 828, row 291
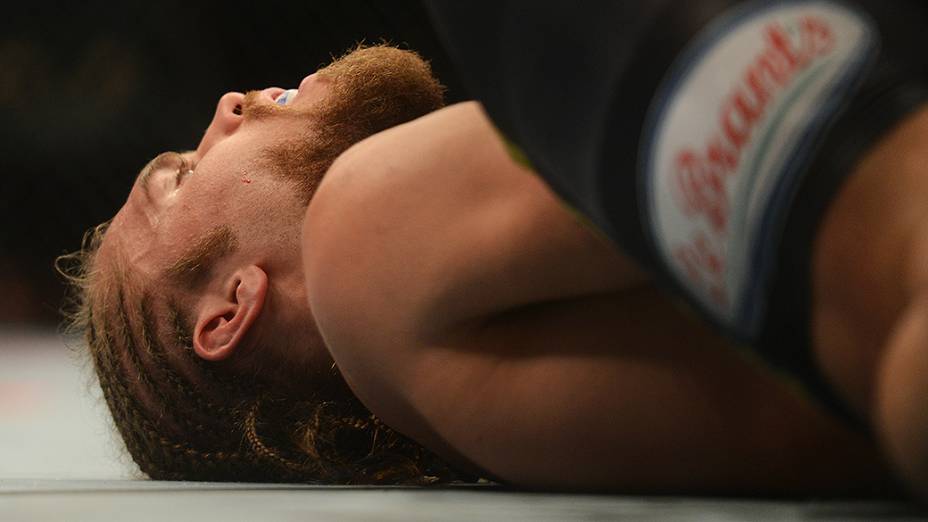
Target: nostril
column 238, row 109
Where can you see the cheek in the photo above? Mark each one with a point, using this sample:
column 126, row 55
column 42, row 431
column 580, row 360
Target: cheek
column 200, row 205
column 183, row 229
column 230, row 184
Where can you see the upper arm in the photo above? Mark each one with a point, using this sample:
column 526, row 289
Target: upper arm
column 429, row 226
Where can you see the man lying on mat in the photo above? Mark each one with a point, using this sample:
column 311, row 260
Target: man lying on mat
column 344, row 283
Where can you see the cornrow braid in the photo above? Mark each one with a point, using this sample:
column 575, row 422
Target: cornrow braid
column 198, row 399
column 202, row 424
column 181, row 332
column 122, row 405
column 268, row 453
column 210, row 454
column 141, row 431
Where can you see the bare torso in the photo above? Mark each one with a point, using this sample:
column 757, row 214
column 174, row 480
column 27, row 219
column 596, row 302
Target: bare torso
column 468, row 309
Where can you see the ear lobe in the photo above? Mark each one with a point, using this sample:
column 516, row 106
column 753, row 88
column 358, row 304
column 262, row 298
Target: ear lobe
column 224, row 319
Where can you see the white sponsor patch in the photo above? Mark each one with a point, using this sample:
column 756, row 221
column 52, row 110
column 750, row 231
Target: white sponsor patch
column 729, row 135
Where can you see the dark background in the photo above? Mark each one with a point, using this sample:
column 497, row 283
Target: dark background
column 90, row 91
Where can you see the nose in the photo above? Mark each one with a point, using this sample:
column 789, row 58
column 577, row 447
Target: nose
column 226, row 121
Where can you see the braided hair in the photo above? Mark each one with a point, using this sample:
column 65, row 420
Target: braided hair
column 182, row 419
column 187, row 419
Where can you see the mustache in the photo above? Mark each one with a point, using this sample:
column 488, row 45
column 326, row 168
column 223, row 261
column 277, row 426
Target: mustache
column 254, row 109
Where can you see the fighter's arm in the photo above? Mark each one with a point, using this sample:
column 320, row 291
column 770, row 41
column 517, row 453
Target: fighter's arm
column 433, row 228
column 458, row 230
column 470, row 310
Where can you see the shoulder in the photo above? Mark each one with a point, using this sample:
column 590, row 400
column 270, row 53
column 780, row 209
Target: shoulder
column 395, row 221
column 423, row 232
column 388, row 224
column 394, row 213
column 430, row 224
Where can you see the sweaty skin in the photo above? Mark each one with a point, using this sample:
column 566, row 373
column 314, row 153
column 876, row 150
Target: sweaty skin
column 471, row 311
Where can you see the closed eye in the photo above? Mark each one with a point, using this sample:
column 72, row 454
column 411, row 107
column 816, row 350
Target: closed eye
column 185, row 169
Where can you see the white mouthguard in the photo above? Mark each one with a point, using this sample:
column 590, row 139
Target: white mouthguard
column 286, row 98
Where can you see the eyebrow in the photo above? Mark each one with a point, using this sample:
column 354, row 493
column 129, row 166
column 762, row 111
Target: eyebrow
column 144, row 176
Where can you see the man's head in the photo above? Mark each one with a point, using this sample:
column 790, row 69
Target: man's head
column 192, row 298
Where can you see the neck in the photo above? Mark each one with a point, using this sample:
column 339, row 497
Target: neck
column 287, row 349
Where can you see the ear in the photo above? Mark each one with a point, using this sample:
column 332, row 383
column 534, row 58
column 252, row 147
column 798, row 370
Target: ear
column 223, row 319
